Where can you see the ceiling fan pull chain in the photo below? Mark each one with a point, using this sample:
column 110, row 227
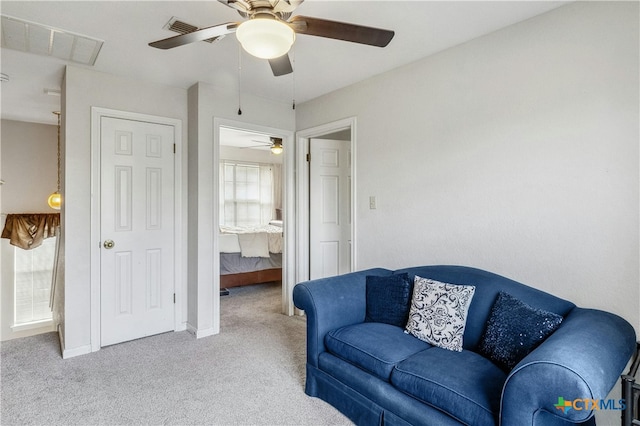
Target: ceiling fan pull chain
column 239, row 79
column 293, row 76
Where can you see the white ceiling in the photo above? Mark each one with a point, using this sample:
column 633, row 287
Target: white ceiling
column 321, row 65
column 244, row 139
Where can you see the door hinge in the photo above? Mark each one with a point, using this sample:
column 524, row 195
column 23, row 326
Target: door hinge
column 308, row 158
column 174, row 148
column 174, row 298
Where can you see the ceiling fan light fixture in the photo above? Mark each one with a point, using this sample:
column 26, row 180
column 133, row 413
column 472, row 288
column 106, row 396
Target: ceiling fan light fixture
column 276, row 147
column 265, row 37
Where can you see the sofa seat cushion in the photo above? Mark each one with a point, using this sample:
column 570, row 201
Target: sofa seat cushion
column 465, row 385
column 374, row 347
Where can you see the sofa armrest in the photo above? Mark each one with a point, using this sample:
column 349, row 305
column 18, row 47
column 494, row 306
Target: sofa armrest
column 582, row 360
column 330, row 303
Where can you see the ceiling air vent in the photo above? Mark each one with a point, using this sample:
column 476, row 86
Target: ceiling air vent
column 181, row 27
column 31, row 37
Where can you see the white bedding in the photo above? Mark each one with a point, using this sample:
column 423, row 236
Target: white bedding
column 254, row 244
column 229, row 243
column 254, row 241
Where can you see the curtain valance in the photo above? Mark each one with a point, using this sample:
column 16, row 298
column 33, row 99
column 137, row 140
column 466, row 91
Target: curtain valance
column 28, row 230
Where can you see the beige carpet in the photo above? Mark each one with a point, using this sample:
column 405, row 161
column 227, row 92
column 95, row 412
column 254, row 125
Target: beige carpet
column 252, row 373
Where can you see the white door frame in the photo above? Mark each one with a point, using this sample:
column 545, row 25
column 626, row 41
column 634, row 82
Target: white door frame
column 302, row 191
column 288, row 257
column 96, row 116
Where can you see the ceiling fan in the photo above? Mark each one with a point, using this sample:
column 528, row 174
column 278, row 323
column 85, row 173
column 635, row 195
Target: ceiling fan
column 270, row 31
column 274, row 145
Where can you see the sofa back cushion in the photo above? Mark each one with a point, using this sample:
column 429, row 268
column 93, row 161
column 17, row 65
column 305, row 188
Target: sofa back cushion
column 487, row 285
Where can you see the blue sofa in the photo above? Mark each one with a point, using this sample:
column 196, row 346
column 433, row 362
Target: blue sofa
column 376, row 374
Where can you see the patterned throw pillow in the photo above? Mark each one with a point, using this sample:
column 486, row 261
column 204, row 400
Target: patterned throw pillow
column 438, row 313
column 388, row 299
column 513, row 330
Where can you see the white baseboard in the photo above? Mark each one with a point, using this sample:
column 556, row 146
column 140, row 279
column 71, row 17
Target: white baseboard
column 70, row 353
column 201, row 333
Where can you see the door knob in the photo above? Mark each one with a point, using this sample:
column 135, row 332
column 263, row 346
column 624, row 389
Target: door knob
column 108, row 244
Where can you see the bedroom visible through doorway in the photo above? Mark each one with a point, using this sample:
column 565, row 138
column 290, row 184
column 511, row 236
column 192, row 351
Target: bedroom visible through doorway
column 250, row 214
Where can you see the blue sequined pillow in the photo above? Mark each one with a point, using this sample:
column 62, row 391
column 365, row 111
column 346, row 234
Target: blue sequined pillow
column 513, row 330
column 388, row 299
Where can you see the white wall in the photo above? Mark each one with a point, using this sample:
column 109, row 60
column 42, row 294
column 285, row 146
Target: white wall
column 29, row 166
column 516, row 152
column 82, row 90
column 207, row 103
column 29, row 169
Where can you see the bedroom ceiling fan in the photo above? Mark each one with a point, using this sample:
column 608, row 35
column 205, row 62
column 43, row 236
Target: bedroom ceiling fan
column 274, row 145
column 270, row 31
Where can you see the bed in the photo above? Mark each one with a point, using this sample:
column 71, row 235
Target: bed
column 250, row 255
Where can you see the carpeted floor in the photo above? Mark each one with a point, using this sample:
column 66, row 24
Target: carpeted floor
column 252, row 373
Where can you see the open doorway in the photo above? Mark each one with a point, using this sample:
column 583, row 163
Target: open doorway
column 325, row 190
column 251, row 203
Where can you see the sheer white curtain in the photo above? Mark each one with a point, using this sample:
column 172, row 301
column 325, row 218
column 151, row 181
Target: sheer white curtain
column 277, row 189
column 247, row 194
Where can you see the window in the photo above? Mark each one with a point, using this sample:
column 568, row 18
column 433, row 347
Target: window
column 32, row 283
column 248, row 194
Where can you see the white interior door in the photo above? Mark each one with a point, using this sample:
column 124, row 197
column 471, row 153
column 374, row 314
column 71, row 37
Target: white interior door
column 137, row 229
column 330, row 208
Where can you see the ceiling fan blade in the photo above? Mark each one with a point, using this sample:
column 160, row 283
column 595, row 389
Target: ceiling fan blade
column 256, row 147
column 341, row 31
column 286, row 6
column 281, row 66
column 198, row 35
column 241, row 6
